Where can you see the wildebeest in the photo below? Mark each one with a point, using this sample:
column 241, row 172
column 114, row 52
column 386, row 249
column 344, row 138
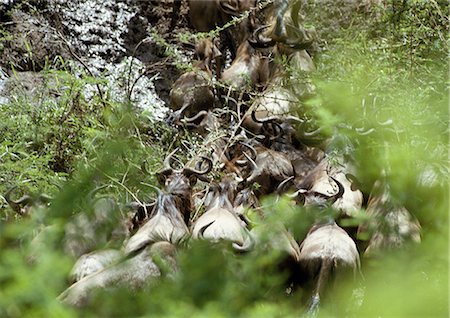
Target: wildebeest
column 206, row 15
column 165, row 224
column 93, row 262
column 24, row 204
column 248, row 69
column 328, row 181
column 326, row 253
column 193, row 91
column 133, row 272
column 390, row 225
column 220, row 221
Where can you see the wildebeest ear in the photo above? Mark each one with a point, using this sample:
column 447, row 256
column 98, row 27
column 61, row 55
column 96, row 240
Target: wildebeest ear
column 192, row 180
column 162, row 176
column 228, row 8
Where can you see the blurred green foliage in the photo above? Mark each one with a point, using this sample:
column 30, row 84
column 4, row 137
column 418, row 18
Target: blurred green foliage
column 381, row 71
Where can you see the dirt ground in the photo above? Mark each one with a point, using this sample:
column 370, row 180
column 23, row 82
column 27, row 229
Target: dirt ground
column 35, row 33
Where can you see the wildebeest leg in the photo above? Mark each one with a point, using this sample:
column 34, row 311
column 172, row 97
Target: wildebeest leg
column 229, row 40
column 220, row 62
column 280, row 28
column 175, row 13
column 324, row 272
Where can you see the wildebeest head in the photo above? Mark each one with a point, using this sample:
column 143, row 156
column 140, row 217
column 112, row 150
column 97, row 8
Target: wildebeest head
column 309, row 196
column 390, row 225
column 269, row 169
column 206, row 50
column 178, row 181
column 249, row 68
column 220, row 221
column 284, row 27
column 167, row 222
column 23, row 205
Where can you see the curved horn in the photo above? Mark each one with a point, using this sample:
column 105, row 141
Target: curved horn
column 191, row 120
column 257, row 41
column 16, row 204
column 275, row 126
column 248, row 244
column 168, row 159
column 251, row 161
column 295, row 45
column 299, row 195
column 262, row 121
column 294, row 119
column 167, row 170
column 45, row 198
column 251, row 158
column 198, row 173
column 25, row 199
column 313, row 133
column 283, row 183
column 253, row 152
column 363, row 132
column 94, row 191
column 335, row 197
column 332, row 199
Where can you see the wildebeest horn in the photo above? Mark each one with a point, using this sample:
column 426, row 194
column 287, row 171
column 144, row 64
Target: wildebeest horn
column 16, row 204
column 190, row 121
column 45, row 198
column 283, row 183
column 200, row 173
column 203, row 229
column 332, row 198
column 266, row 121
column 296, row 45
column 94, row 191
column 275, row 126
column 340, row 192
column 251, row 160
column 361, row 131
column 297, row 193
column 261, row 121
column 160, row 174
column 257, row 41
column 313, row 133
column 168, row 159
column 167, row 170
column 247, row 246
column 253, row 152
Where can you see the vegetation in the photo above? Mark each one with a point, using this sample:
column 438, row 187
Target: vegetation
column 380, row 68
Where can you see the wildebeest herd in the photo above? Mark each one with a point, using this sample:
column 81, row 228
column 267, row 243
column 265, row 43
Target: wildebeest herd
column 256, row 139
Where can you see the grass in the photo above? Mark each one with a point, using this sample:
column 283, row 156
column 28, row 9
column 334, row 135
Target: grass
column 380, row 70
